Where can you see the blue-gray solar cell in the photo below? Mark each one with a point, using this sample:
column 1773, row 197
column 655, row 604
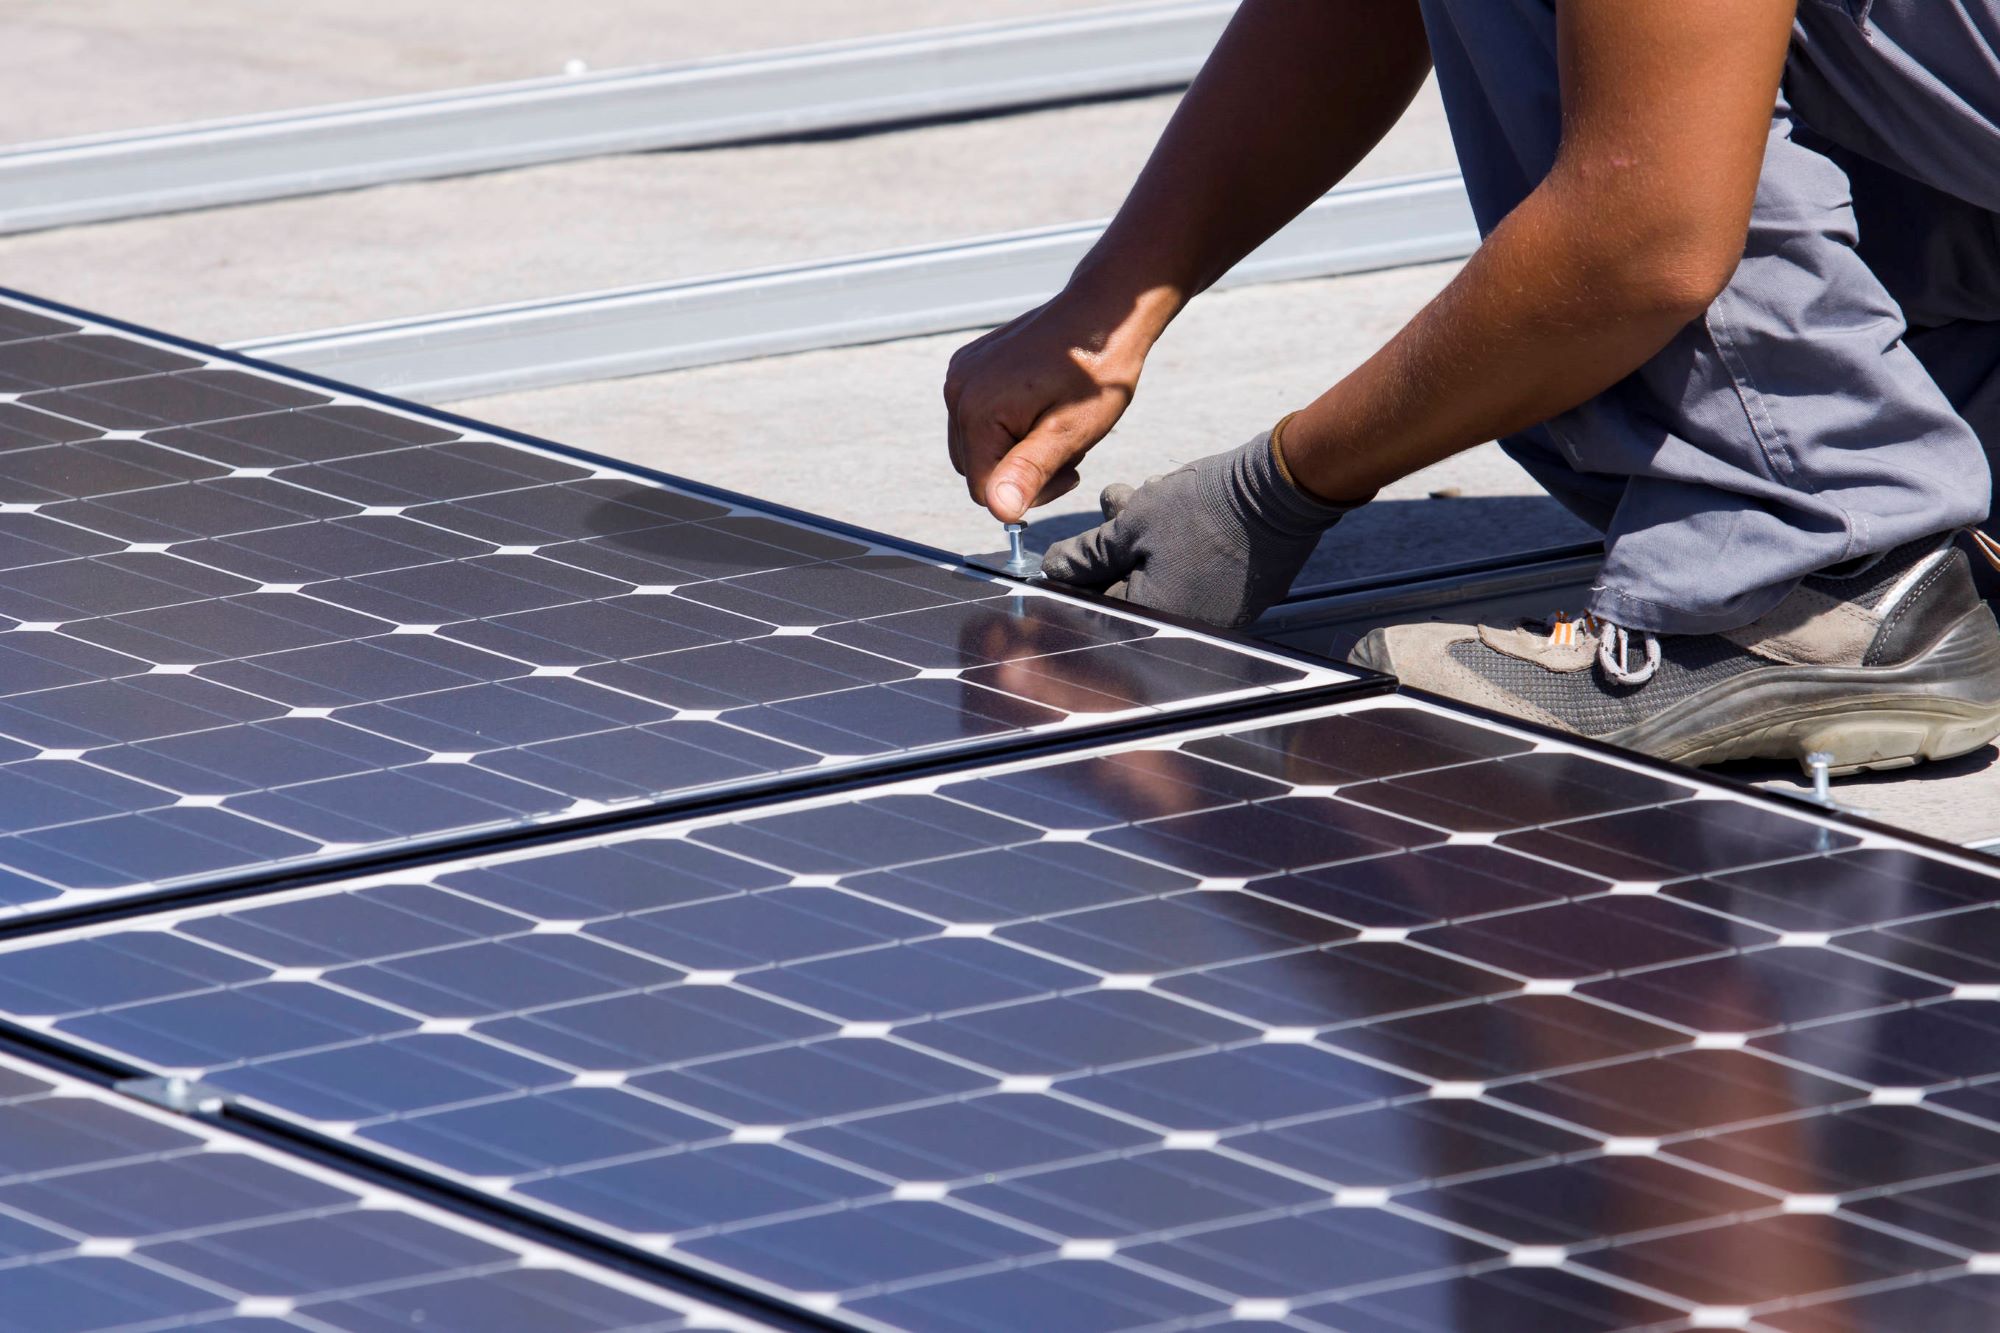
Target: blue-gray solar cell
column 248, row 622
column 1292, row 1024
column 115, row 1217
column 1961, row 1304
column 1518, row 1300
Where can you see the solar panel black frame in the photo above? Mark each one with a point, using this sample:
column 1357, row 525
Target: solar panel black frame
column 118, row 1214
column 292, row 837
column 1526, row 1279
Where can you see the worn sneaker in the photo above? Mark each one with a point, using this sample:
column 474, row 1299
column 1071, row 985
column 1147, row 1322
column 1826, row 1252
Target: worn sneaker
column 1879, row 669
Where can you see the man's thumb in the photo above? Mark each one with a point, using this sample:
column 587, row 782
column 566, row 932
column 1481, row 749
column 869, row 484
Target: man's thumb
column 1019, row 479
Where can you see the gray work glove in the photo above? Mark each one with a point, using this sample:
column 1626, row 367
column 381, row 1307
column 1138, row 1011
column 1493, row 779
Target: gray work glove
column 1218, row 540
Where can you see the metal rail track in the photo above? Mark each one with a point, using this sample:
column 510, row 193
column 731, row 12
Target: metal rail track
column 833, row 303
column 835, row 86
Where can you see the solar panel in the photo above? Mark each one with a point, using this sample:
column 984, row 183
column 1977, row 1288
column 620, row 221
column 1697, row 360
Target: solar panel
column 1363, row 1018
column 115, row 1216
column 253, row 622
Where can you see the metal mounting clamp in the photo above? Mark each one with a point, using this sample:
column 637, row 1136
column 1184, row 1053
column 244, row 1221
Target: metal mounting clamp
column 183, row 1095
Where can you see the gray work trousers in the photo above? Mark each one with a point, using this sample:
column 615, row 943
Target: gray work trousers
column 1833, row 402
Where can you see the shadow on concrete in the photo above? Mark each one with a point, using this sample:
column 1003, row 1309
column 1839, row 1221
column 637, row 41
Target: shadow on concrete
column 843, row 133
column 1392, row 536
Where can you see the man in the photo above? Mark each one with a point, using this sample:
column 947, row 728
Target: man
column 1738, row 306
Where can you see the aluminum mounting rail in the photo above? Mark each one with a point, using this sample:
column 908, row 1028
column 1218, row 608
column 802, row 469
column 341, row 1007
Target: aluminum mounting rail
column 836, row 86
column 836, row 303
column 1329, row 620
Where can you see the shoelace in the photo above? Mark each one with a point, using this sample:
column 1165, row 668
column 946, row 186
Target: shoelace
column 1614, row 642
column 1986, row 546
column 1614, row 646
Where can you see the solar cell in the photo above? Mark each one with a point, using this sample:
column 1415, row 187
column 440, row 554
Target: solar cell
column 116, row 1216
column 1360, row 1018
column 249, row 621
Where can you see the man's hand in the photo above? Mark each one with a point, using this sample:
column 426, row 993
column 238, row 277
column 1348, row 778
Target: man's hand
column 1218, row 540
column 1029, row 399
column 1292, row 97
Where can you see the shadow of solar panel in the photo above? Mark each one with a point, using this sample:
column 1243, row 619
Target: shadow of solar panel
column 1199, row 1032
column 247, row 621
column 113, row 1216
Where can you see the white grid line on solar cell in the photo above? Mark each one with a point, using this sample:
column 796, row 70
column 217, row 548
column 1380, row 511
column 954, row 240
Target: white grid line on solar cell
column 117, row 1213
column 1009, row 1072
column 229, row 657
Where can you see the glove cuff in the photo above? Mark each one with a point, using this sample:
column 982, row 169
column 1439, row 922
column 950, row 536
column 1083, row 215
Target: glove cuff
column 1268, row 496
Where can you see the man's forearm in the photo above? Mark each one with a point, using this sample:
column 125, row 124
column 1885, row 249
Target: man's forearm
column 1638, row 227
column 1526, row 331
column 1294, row 96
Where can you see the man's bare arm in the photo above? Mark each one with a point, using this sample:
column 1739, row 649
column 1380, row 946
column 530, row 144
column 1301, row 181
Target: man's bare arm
column 1667, row 108
column 1294, row 96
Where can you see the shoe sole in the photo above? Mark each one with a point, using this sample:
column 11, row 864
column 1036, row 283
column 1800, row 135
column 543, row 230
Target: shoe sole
column 1939, row 705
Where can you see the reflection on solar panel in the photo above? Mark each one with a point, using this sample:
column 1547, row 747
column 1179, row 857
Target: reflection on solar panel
column 116, row 1216
column 1366, row 1019
column 249, row 621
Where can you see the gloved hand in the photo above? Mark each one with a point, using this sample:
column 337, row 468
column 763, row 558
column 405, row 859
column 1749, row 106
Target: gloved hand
column 1219, row 539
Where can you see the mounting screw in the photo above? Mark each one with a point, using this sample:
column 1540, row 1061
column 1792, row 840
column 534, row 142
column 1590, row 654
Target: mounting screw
column 1821, row 764
column 1020, row 563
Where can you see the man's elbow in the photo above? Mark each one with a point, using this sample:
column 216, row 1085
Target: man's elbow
column 1673, row 282
column 1656, row 245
